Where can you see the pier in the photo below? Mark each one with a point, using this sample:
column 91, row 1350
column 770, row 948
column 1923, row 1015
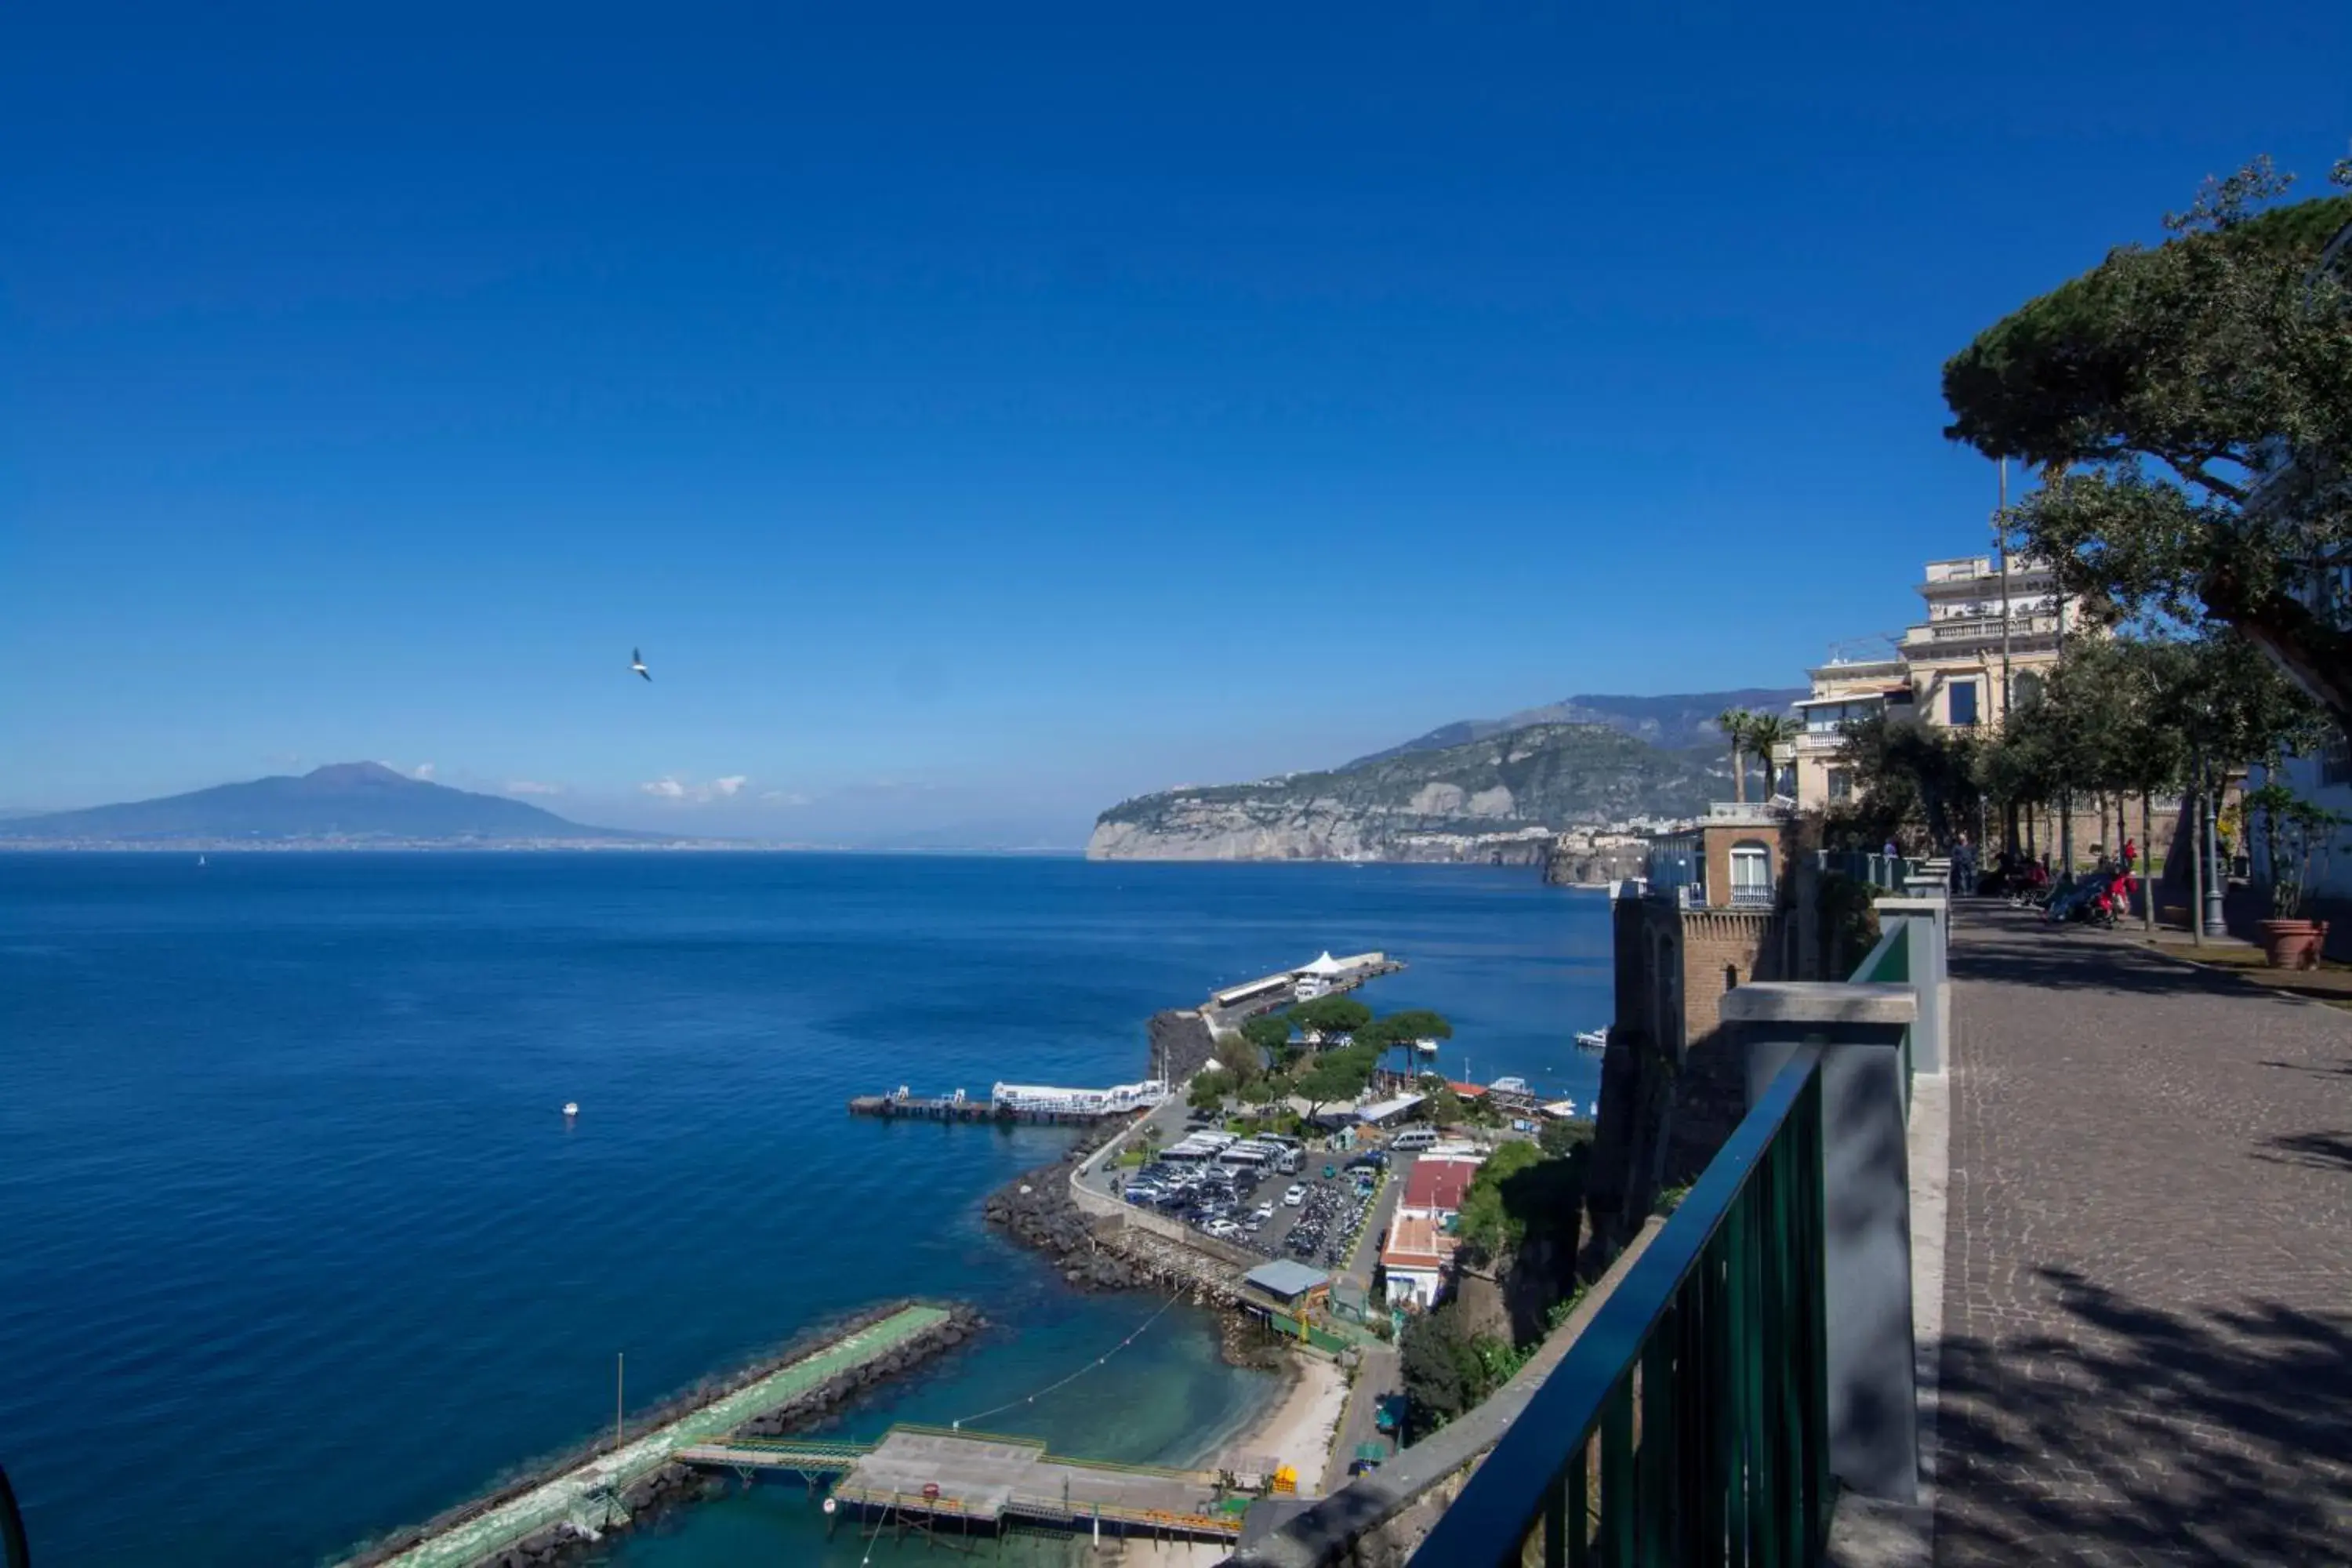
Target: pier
column 932, row 1478
column 1324, row 977
column 585, row 1500
column 1017, row 1103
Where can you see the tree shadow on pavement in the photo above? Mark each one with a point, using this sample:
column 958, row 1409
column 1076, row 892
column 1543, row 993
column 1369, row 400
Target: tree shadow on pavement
column 2078, row 960
column 2112, row 1431
column 2320, row 1151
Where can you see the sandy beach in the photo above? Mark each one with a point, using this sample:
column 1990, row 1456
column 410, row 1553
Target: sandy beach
column 1299, row 1428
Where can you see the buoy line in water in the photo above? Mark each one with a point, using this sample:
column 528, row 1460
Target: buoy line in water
column 1098, row 1361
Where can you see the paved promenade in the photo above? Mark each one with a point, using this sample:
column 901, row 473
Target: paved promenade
column 2147, row 1306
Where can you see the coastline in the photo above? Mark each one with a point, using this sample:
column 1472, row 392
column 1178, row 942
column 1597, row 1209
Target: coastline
column 1297, row 1427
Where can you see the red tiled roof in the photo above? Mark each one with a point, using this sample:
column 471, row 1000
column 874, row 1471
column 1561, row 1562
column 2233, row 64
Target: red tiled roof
column 1438, row 1185
column 1467, row 1090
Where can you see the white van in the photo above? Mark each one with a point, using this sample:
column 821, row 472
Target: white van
column 1412, row 1139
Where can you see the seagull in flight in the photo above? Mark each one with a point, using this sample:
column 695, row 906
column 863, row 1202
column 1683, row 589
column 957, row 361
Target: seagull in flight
column 637, row 663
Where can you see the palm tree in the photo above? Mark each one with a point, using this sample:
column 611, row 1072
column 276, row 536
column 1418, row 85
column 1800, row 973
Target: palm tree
column 1767, row 733
column 1734, row 722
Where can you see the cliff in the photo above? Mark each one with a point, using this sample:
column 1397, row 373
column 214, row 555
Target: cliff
column 1589, row 860
column 1499, row 798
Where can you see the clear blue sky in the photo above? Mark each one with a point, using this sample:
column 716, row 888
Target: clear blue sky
column 981, row 412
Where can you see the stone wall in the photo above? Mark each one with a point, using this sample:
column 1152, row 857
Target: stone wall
column 1181, row 1044
column 1672, row 1085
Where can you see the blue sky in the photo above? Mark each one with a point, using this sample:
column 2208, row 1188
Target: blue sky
column 981, row 413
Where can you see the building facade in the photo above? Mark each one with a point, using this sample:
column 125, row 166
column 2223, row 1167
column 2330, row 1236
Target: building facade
column 1990, row 637
column 1713, row 914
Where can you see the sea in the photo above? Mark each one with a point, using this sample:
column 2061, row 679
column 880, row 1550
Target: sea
column 297, row 1246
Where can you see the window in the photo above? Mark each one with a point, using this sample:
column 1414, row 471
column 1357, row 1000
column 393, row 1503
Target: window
column 2335, row 761
column 1964, row 702
column 1841, row 784
column 1751, row 873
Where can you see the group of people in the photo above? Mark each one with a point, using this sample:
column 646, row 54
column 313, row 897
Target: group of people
column 2018, row 874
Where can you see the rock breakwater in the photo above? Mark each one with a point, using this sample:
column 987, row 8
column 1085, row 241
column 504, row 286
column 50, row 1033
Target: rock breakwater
column 654, row 1492
column 1095, row 1253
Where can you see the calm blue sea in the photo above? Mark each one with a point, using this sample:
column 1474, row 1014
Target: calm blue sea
column 296, row 1248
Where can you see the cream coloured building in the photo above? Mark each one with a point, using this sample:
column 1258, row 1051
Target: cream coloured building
column 1954, row 669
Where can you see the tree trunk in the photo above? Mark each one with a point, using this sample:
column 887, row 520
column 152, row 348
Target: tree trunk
column 2146, row 862
column 1738, row 775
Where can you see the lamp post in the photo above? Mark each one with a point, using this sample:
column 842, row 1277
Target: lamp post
column 2216, row 924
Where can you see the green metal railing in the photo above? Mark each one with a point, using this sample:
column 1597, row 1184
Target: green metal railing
column 1688, row 1424
column 1890, row 963
column 1884, row 872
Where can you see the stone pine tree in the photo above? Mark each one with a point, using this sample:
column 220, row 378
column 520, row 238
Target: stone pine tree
column 2189, row 407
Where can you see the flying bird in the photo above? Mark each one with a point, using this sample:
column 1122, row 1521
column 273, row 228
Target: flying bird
column 637, row 663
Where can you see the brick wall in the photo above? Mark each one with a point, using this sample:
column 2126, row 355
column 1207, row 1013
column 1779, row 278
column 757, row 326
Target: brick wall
column 1671, row 1086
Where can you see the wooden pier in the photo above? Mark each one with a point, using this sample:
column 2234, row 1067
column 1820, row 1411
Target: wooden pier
column 932, row 1478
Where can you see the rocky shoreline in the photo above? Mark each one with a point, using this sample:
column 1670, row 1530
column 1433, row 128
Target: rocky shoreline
column 673, row 1485
column 1036, row 1209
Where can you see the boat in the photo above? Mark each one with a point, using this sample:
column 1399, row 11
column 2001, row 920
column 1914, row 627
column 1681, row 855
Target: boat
column 200, row 860
column 1510, row 1085
column 1425, row 1047
column 1594, row 1039
column 570, row 1107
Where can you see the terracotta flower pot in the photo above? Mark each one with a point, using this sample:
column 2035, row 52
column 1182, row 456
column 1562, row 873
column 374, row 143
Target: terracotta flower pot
column 2294, row 944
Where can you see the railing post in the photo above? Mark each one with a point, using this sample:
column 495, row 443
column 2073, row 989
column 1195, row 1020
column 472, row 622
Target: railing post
column 1928, row 933
column 1873, row 1379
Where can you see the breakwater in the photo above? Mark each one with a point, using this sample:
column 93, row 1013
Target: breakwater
column 1040, row 1209
column 556, row 1512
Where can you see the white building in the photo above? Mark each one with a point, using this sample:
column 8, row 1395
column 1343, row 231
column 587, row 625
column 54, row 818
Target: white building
column 1416, row 1261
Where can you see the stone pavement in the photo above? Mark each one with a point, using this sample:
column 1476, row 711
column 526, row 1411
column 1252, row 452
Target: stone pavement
column 2148, row 1302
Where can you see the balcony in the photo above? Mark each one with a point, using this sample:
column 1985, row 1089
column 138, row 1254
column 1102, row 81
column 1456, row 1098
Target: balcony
column 1944, row 577
column 1964, row 630
column 1753, row 898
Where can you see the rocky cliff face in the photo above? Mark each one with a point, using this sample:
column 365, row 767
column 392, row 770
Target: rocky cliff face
column 1591, row 861
column 1502, row 798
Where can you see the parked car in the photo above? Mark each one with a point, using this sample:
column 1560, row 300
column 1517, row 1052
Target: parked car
column 1295, row 1196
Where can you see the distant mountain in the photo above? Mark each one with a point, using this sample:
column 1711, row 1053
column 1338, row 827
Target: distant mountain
column 342, row 803
column 1498, row 796
column 1683, row 721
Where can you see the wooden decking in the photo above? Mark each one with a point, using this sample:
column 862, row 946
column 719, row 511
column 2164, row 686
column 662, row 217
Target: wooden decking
column 942, row 1477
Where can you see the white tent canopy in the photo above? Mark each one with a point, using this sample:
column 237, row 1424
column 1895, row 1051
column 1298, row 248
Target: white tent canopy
column 1326, row 966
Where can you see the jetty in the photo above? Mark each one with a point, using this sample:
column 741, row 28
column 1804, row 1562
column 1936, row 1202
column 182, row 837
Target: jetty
column 937, row 1479
column 1323, row 976
column 1016, row 1102
column 586, row 1500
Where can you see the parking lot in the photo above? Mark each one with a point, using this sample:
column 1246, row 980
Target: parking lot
column 1271, row 1196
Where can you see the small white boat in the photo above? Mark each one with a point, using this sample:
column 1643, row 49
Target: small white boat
column 1510, row 1085
column 1425, row 1047
column 1594, row 1039
column 570, row 1107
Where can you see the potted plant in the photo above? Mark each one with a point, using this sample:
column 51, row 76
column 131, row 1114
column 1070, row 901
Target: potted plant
column 2296, row 836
